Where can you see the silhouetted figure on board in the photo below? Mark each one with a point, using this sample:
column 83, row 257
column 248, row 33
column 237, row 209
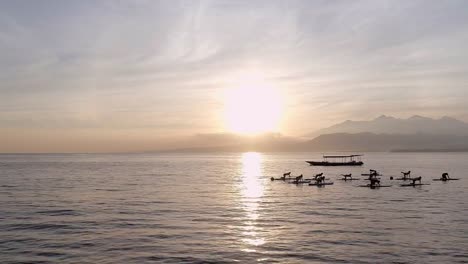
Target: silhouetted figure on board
column 445, row 176
column 417, row 179
column 406, row 174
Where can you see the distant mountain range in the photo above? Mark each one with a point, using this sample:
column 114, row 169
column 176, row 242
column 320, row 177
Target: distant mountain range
column 358, row 142
column 391, row 125
column 387, row 142
column 384, row 133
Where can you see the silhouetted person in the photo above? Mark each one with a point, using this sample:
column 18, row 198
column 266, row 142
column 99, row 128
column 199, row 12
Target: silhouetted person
column 445, row 176
column 406, row 174
column 320, row 179
column 374, row 182
column 416, row 179
column 346, row 176
column 373, row 175
column 298, row 178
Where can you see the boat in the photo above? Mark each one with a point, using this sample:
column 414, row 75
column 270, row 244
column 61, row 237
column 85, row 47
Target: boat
column 338, row 160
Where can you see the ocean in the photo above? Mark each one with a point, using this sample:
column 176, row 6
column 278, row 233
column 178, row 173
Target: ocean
column 223, row 208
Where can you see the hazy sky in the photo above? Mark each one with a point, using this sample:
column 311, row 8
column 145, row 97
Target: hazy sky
column 123, row 75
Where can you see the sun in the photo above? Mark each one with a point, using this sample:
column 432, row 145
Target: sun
column 252, row 106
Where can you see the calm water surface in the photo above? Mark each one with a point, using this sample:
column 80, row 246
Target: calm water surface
column 222, row 208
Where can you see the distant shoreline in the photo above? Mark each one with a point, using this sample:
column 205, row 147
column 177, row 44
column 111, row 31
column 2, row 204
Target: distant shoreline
column 429, row 150
column 241, row 151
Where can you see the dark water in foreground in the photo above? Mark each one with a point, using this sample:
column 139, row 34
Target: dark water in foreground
column 222, row 208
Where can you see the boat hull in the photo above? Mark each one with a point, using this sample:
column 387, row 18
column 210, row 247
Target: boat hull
column 327, row 163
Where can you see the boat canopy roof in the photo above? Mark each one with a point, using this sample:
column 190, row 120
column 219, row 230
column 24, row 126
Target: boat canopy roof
column 341, row 156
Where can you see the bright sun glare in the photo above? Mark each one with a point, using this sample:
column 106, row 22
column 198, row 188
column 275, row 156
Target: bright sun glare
column 252, row 106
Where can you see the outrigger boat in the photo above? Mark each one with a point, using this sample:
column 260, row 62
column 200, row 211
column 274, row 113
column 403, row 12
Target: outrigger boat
column 338, row 160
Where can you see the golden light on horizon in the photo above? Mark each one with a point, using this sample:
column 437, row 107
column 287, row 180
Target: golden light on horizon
column 252, row 106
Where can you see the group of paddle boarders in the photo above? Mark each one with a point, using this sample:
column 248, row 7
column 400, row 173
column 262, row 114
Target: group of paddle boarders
column 317, row 180
column 287, row 177
column 374, row 180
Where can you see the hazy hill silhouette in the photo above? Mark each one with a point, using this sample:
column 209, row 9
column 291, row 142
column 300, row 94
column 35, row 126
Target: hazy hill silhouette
column 228, row 142
column 387, row 142
column 384, row 133
column 391, row 125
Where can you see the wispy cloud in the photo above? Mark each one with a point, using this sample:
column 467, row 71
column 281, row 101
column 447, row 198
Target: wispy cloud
column 158, row 65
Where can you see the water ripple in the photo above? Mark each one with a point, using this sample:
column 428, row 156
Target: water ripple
column 147, row 208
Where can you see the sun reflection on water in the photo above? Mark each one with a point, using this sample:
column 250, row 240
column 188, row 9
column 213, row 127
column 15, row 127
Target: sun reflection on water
column 252, row 192
column 252, row 187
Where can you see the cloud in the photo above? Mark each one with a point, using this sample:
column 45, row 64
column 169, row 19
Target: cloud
column 161, row 64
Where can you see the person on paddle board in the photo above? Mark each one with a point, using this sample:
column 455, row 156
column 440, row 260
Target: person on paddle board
column 406, row 175
column 321, row 179
column 373, row 175
column 374, row 182
column 416, row 179
column 445, row 176
column 298, row 178
column 346, row 176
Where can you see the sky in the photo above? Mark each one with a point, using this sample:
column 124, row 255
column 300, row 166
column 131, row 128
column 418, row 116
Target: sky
column 103, row 76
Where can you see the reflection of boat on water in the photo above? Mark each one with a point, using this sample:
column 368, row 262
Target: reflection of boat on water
column 338, row 160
